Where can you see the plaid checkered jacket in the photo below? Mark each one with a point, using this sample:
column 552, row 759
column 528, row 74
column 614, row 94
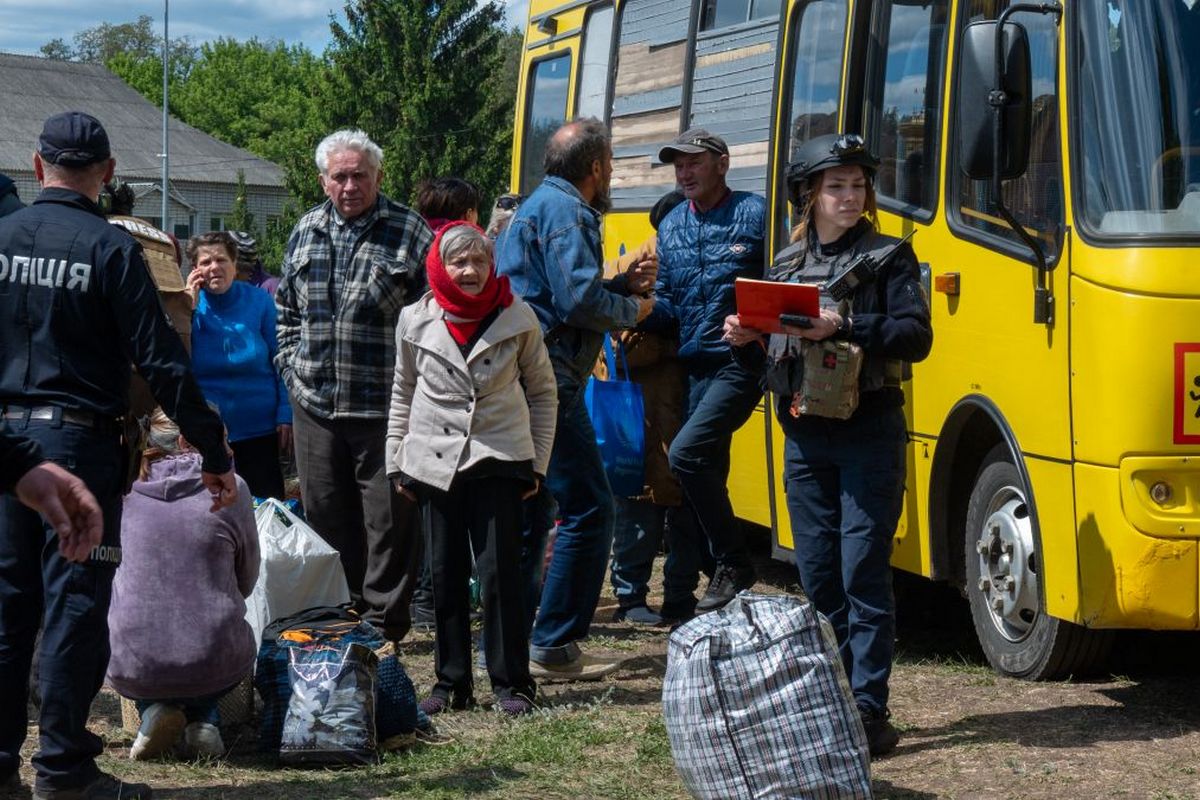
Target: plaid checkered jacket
column 338, row 361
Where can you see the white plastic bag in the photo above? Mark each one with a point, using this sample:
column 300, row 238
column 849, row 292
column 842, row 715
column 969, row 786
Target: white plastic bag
column 299, row 569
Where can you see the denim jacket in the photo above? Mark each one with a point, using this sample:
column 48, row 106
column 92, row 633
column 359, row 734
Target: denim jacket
column 551, row 252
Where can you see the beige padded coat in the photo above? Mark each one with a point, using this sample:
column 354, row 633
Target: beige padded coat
column 449, row 412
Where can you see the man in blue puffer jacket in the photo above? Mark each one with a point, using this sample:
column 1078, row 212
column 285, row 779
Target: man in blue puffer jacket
column 703, row 246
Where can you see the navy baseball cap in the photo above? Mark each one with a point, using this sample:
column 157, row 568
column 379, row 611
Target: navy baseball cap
column 73, row 139
column 693, row 140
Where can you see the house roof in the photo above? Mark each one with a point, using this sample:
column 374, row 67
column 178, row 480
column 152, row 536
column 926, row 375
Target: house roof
column 32, row 89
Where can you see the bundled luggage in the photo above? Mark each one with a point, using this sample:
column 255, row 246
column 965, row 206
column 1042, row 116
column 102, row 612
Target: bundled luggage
column 757, row 705
column 333, row 690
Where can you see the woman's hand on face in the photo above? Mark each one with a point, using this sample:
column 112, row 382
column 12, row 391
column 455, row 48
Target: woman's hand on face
column 285, row 438
column 403, row 490
column 822, row 328
column 736, row 334
column 195, row 281
column 528, row 493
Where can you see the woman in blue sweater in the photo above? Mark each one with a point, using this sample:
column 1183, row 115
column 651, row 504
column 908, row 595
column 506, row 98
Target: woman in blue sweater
column 233, row 349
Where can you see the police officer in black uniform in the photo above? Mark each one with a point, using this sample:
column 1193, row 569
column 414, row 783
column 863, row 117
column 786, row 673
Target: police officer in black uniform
column 845, row 476
column 77, row 306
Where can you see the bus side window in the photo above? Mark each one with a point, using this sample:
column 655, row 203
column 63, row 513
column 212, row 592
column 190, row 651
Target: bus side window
column 545, row 111
column 647, row 98
column 723, row 13
column 813, row 86
column 902, row 109
column 730, row 95
column 595, row 58
column 1035, row 198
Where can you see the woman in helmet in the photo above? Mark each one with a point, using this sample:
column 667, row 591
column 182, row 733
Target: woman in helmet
column 844, row 472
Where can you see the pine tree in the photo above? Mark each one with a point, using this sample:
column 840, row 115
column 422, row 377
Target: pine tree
column 421, row 78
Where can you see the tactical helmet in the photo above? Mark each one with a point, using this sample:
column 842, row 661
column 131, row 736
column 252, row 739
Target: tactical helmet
column 117, row 198
column 822, row 152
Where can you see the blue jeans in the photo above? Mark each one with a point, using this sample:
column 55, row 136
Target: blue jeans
column 637, row 539
column 74, row 598
column 720, row 400
column 579, row 486
column 845, row 488
column 195, row 709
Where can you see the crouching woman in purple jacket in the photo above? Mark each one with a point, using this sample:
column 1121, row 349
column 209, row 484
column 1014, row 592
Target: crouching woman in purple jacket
column 177, row 623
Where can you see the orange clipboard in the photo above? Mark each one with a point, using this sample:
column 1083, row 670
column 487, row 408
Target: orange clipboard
column 759, row 303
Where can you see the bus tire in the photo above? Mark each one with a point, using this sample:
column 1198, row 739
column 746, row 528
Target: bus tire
column 1003, row 576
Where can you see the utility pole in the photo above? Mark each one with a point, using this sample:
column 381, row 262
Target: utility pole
column 166, row 161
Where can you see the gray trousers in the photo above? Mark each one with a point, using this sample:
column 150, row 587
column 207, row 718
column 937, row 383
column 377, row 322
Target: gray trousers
column 349, row 501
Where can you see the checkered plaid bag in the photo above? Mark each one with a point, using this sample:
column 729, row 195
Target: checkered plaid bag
column 757, row 705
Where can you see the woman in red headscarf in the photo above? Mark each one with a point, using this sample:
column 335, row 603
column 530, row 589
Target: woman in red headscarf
column 472, row 422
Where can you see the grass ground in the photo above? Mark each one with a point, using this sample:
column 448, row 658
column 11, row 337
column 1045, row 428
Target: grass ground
column 967, row 732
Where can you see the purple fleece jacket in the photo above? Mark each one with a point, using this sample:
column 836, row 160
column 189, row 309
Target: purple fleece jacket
column 177, row 621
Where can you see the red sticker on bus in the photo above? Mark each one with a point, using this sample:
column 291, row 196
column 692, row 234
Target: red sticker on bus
column 1187, row 393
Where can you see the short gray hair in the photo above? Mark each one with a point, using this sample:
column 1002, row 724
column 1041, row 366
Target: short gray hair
column 348, row 139
column 462, row 239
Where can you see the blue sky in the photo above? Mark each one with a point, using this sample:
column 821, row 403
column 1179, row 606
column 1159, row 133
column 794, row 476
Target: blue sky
column 25, row 25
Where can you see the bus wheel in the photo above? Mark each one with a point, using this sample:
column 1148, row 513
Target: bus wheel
column 1003, row 571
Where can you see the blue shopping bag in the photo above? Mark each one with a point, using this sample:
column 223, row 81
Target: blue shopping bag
column 618, row 415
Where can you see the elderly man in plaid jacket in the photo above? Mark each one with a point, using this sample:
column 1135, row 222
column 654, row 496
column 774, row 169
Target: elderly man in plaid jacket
column 352, row 263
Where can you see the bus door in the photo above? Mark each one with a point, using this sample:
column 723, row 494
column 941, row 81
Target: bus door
column 568, row 53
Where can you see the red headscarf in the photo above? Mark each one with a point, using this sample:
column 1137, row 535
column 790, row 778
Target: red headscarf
column 464, row 311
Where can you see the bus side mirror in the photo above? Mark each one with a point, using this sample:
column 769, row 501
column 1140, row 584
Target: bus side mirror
column 977, row 94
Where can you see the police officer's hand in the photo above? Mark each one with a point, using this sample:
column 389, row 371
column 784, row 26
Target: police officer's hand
column 823, row 326
column 737, row 335
column 642, row 275
column 65, row 502
column 645, row 306
column 223, row 488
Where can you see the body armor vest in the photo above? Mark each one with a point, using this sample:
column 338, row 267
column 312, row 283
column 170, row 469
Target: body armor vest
column 803, row 262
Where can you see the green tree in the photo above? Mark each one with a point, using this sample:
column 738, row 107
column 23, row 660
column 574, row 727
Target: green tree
column 241, row 218
column 261, row 96
column 416, row 75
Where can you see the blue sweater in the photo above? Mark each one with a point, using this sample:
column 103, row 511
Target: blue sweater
column 233, row 345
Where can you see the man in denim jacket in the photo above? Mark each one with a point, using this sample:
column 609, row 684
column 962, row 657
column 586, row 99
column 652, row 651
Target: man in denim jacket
column 352, row 263
column 551, row 252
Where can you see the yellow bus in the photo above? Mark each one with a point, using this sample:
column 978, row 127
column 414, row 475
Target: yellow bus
column 1054, row 459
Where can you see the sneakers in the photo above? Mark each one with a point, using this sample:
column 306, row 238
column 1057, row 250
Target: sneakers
column 106, row 787
column 726, row 582
column 517, row 705
column 638, row 615
column 203, row 740
column 161, row 726
column 882, row 736
column 583, row 668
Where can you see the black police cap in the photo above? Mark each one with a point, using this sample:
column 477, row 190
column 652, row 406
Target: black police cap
column 73, row 139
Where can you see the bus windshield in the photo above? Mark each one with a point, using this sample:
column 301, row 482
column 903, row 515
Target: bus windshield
column 1138, row 126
